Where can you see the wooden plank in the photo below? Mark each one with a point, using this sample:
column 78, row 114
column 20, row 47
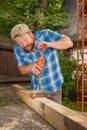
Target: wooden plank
column 46, row 112
column 31, row 93
column 18, row 87
column 35, row 93
column 58, row 116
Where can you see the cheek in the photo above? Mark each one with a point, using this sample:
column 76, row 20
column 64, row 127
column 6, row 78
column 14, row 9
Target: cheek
column 29, row 41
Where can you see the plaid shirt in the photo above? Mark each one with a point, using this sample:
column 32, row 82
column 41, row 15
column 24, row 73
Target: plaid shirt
column 51, row 77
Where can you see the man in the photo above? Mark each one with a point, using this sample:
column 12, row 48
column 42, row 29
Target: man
column 29, row 49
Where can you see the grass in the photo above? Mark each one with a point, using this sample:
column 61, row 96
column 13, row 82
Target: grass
column 4, row 101
column 73, row 106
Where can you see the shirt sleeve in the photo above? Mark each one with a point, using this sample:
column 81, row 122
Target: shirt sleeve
column 55, row 35
column 19, row 55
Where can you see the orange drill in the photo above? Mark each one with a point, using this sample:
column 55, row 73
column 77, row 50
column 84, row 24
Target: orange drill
column 41, row 58
column 40, row 61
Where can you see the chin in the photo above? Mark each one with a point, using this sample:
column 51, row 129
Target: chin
column 28, row 49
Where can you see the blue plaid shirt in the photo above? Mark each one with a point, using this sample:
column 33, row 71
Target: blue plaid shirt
column 51, row 77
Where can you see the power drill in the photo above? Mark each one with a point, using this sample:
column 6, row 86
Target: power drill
column 40, row 61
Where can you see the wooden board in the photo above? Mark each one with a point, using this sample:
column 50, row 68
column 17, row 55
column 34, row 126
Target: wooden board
column 60, row 117
column 34, row 93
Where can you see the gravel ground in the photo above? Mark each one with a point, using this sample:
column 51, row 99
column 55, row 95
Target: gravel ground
column 19, row 116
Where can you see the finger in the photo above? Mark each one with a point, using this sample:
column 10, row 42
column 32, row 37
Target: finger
column 44, row 45
column 38, row 67
column 37, row 71
column 39, row 46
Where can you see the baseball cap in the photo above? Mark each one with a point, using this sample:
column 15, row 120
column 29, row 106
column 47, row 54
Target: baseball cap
column 18, row 31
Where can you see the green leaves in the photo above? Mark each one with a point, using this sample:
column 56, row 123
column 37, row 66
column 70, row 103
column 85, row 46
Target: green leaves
column 54, row 6
column 68, row 67
column 25, row 11
column 55, row 20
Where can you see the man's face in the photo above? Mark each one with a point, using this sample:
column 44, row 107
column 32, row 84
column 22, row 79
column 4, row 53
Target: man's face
column 26, row 41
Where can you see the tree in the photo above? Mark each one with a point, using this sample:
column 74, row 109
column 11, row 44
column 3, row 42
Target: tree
column 38, row 14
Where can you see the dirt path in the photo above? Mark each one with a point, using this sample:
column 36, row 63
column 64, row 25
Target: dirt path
column 20, row 117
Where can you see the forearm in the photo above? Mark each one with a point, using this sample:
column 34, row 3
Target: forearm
column 61, row 44
column 34, row 68
column 25, row 69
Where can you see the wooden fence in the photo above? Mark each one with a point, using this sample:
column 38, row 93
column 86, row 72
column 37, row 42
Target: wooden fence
column 8, row 68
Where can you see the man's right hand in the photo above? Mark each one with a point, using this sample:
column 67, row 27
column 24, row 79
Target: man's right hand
column 33, row 67
column 36, row 69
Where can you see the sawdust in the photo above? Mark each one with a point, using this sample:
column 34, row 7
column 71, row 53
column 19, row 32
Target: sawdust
column 21, row 117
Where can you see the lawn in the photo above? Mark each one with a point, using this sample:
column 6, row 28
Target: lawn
column 73, row 106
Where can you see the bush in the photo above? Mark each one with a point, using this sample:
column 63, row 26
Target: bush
column 69, row 86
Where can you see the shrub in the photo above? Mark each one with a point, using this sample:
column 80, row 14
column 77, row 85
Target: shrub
column 69, row 86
